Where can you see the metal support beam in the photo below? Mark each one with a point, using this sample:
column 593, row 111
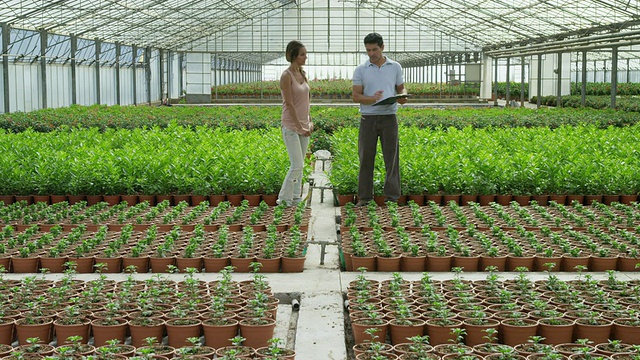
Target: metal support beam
column 134, row 80
column 98, row 45
column 162, row 77
column 43, row 67
column 6, row 39
column 559, row 82
column 118, row 54
column 74, row 67
column 583, row 86
column 495, row 82
column 614, row 76
column 170, row 55
column 539, row 82
column 507, row 84
column 147, row 72
column 522, row 81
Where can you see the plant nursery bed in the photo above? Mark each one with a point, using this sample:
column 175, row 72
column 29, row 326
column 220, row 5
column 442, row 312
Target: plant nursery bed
column 156, row 316
column 439, row 238
column 157, row 239
column 520, row 316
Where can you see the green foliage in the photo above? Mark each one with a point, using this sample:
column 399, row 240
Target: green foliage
column 566, row 160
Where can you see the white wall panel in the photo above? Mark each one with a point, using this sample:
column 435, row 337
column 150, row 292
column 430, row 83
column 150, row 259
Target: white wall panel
column 141, row 86
column 126, row 86
column 154, row 64
column 58, row 85
column 25, row 86
column 85, row 85
column 108, row 86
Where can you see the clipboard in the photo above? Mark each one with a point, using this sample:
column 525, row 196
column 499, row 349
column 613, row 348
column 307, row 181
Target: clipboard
column 391, row 99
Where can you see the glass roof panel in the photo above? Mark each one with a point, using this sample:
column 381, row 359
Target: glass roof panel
column 258, row 30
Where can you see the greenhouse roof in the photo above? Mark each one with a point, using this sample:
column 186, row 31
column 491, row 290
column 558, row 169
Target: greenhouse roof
column 258, row 30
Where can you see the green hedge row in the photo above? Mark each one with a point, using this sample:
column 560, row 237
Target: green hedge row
column 518, row 161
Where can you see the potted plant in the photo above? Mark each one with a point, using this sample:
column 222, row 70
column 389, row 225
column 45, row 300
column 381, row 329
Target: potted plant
column 275, row 351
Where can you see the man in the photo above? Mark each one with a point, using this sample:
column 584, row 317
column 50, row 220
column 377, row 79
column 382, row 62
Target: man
column 378, row 78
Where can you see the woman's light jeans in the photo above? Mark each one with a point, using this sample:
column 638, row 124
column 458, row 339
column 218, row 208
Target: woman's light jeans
column 291, row 191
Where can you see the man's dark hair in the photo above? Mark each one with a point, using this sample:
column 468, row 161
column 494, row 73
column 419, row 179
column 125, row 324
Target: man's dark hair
column 373, row 38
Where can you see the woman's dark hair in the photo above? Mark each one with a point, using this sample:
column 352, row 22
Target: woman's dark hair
column 373, row 38
column 293, row 49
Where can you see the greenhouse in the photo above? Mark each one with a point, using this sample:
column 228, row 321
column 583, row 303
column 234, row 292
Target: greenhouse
column 233, row 180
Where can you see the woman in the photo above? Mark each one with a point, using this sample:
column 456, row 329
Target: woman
column 296, row 122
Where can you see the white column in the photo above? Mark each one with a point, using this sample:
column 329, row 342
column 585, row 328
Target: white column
column 549, row 76
column 198, row 70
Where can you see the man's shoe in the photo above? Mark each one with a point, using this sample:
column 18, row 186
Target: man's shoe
column 363, row 203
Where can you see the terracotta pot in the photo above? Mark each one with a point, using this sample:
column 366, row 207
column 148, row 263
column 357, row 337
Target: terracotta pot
column 476, row 332
column 253, row 199
column 609, row 199
column 242, row 352
column 7, row 199
column 63, row 331
column 257, row 335
column 539, row 261
column 103, row 333
column 590, row 199
column 569, row 263
column 467, row 263
column 541, row 199
column 42, row 198
column 628, row 199
column 514, row 262
column 597, row 263
column 598, row 333
column 84, row 265
column 286, row 354
column 155, row 328
column 572, row 198
column 523, row 200
column 465, row 199
column 27, row 198
column 359, row 325
column 7, row 326
column 43, row 330
column 93, row 199
column 417, row 198
column 150, row 198
column 215, row 264
column 556, row 333
column 368, row 262
column 141, row 263
column 500, row 262
column 111, row 199
column 269, row 265
column 438, row 263
column 178, row 332
column 413, row 263
column 183, row 263
column 627, row 263
column 290, row 265
column 446, row 199
column 241, row 264
column 218, row 336
column 24, row 265
column 388, row 264
column 627, row 330
column 112, row 265
column 513, row 334
column 55, row 265
column 161, row 265
column 436, row 198
column 400, row 332
column 439, row 333
column 504, row 199
column 58, row 198
column 485, row 200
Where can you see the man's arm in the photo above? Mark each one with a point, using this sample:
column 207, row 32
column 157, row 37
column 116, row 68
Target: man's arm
column 358, row 95
column 401, row 90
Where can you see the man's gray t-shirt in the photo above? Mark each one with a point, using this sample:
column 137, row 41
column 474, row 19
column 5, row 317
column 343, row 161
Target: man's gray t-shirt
column 373, row 78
